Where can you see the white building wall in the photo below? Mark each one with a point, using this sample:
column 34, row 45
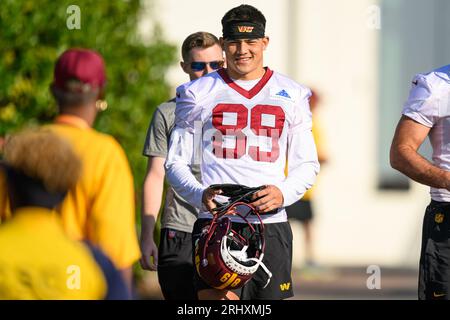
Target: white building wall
column 336, row 53
column 356, row 223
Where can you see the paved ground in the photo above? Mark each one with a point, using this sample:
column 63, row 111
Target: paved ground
column 349, row 283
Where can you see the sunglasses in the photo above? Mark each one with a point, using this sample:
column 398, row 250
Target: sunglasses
column 199, row 66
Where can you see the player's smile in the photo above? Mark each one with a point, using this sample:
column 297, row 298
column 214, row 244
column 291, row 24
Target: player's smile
column 243, row 60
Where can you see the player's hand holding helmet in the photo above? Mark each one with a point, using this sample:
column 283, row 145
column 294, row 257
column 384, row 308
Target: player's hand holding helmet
column 232, row 194
column 227, row 258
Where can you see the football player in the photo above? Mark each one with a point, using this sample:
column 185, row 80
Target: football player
column 247, row 120
column 427, row 113
column 201, row 54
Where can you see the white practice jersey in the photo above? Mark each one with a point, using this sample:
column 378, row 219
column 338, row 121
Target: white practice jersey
column 243, row 137
column 429, row 104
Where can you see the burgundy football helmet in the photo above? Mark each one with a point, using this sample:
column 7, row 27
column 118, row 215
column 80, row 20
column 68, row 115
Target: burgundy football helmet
column 226, row 258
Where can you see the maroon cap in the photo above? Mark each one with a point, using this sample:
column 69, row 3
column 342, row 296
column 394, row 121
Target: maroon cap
column 84, row 65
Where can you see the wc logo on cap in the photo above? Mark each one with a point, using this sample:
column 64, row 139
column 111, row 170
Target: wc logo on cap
column 248, row 29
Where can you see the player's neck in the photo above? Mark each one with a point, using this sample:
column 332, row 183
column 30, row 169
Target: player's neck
column 87, row 113
column 252, row 75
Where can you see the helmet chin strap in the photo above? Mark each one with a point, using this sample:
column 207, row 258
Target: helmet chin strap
column 267, row 271
column 241, row 256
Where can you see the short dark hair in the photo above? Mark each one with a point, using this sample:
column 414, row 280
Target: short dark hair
column 198, row 40
column 76, row 95
column 69, row 99
column 246, row 13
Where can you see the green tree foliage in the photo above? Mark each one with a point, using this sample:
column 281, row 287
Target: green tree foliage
column 33, row 33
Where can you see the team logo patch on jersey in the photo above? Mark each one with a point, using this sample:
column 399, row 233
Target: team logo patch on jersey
column 282, row 94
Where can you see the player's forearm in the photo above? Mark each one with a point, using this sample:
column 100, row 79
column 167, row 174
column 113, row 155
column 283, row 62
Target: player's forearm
column 151, row 203
column 406, row 160
column 152, row 196
column 147, row 227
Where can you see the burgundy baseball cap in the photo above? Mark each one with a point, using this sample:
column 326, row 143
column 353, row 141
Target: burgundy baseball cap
column 84, row 65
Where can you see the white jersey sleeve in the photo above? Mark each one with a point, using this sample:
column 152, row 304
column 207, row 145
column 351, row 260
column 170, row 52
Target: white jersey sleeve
column 187, row 111
column 181, row 150
column 422, row 104
column 303, row 165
